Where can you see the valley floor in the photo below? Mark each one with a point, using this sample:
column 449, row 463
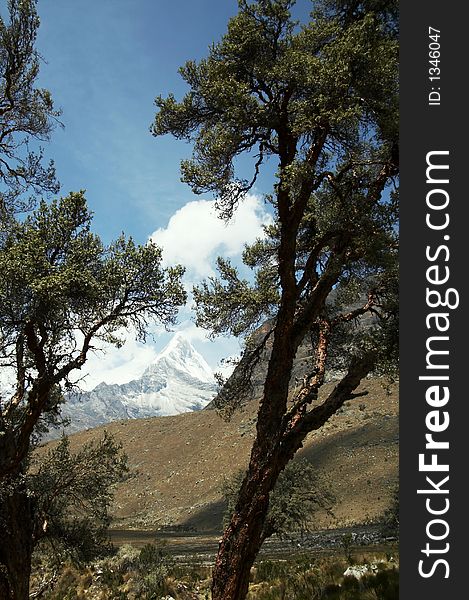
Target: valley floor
column 167, row 571
column 190, row 547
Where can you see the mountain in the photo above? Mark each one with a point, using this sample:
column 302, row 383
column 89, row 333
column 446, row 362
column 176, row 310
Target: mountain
column 179, row 380
column 178, row 463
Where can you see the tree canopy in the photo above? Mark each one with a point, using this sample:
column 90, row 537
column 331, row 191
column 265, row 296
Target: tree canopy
column 321, row 97
column 72, row 493
column 294, row 499
column 62, row 290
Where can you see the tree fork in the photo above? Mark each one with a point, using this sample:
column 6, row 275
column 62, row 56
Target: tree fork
column 244, row 536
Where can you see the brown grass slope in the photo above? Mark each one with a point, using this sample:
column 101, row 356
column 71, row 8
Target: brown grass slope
column 179, row 463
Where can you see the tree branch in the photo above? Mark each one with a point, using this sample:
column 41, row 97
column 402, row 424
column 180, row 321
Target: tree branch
column 319, row 415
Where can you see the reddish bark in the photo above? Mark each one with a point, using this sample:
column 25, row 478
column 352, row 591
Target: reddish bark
column 245, row 534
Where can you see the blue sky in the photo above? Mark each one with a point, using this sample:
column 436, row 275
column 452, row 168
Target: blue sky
column 105, row 62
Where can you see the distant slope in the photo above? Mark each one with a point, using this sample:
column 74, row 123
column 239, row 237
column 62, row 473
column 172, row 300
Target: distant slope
column 179, row 462
column 178, row 381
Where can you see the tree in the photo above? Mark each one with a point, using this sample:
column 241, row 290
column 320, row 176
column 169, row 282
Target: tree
column 27, row 114
column 390, row 519
column 320, row 101
column 293, row 502
column 70, row 495
column 62, row 289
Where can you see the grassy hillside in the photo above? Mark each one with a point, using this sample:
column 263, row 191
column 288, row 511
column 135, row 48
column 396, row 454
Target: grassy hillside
column 178, row 463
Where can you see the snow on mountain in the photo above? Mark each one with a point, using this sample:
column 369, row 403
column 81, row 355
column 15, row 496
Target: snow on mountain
column 179, row 380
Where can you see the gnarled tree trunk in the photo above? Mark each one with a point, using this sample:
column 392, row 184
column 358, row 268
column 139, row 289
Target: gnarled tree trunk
column 243, row 538
column 245, row 534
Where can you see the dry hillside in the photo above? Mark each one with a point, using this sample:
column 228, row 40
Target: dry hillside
column 178, row 463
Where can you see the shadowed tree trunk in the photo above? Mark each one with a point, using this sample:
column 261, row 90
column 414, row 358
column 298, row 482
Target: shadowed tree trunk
column 16, row 544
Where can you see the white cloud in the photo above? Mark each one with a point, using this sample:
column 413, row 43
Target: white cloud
column 195, row 236
column 193, row 333
column 121, row 365
column 117, row 365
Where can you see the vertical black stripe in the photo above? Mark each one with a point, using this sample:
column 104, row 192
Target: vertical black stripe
column 429, row 123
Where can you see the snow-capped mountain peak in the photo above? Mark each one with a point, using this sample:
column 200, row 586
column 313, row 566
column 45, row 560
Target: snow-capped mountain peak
column 179, row 380
column 180, row 355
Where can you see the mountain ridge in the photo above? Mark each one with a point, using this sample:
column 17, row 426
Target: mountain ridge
column 178, row 463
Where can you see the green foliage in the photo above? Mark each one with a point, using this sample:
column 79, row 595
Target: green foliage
column 322, row 99
column 147, row 574
column 264, row 71
column 72, row 495
column 270, row 570
column 298, row 578
column 61, row 289
column 319, row 101
column 155, row 560
column 293, row 501
column 58, row 273
column 26, row 112
column 322, row 580
column 346, row 543
column 235, row 306
column 149, row 569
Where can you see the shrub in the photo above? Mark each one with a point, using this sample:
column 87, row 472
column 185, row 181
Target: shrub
column 346, row 543
column 270, row 570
